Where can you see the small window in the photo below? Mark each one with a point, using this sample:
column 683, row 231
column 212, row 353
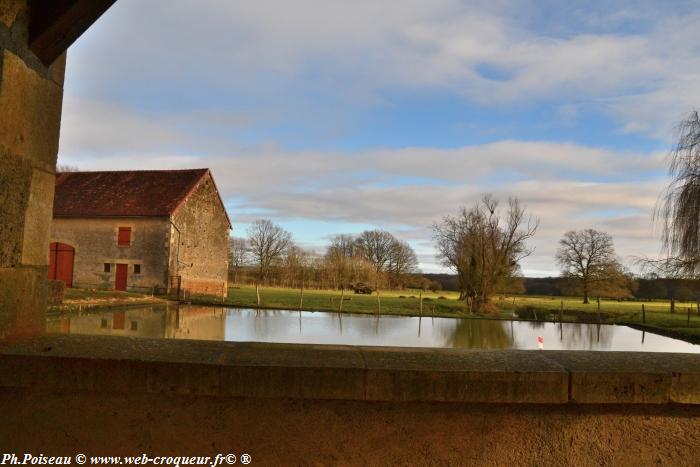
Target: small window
column 137, row 269
column 103, row 323
column 134, row 326
column 124, row 238
column 108, row 267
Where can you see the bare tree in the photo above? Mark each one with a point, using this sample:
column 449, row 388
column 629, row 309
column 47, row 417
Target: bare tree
column 376, row 247
column 679, row 205
column 268, row 243
column 343, row 260
column 402, row 262
column 343, row 245
column 588, row 256
column 238, row 256
column 484, row 248
column 63, row 168
column 297, row 264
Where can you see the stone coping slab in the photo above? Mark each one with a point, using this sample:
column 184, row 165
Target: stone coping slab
column 56, row 363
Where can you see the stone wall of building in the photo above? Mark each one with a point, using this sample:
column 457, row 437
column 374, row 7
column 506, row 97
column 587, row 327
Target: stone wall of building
column 199, row 242
column 95, row 243
column 30, row 113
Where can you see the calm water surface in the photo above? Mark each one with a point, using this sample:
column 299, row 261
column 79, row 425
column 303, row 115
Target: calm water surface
column 233, row 324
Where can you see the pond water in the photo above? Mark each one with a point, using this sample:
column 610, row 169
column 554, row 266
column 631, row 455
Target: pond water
column 249, row 325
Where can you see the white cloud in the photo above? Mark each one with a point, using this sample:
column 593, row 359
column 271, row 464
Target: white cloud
column 354, row 50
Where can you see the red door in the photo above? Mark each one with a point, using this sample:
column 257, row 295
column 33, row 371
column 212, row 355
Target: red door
column 61, row 263
column 120, row 283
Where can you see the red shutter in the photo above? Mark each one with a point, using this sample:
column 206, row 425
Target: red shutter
column 124, row 238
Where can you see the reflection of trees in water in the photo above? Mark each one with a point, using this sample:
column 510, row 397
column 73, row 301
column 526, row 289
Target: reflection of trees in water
column 265, row 323
column 587, row 336
column 478, row 334
column 575, row 335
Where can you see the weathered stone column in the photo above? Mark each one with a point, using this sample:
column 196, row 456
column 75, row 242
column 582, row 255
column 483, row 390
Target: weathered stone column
column 30, row 114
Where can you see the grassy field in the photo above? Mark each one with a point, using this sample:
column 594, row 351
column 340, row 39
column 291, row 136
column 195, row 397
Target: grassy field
column 405, row 302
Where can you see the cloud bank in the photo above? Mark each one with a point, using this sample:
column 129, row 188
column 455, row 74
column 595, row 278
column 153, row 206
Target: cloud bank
column 268, row 94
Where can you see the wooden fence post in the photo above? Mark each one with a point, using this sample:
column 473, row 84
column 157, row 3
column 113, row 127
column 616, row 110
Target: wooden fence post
column 644, row 315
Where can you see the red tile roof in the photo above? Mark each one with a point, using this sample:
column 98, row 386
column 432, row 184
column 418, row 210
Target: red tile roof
column 134, row 193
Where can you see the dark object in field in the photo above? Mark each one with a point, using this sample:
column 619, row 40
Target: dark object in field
column 363, row 288
column 441, row 297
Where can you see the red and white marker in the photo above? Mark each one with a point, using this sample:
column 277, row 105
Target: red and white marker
column 540, row 342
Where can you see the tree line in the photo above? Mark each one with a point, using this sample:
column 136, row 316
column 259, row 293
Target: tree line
column 269, row 256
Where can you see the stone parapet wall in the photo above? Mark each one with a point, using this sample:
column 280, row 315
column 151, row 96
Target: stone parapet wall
column 227, row 369
column 320, row 405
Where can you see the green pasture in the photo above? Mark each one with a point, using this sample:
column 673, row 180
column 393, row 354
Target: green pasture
column 405, row 302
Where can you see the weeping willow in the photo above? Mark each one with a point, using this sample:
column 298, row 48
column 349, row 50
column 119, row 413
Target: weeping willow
column 678, row 209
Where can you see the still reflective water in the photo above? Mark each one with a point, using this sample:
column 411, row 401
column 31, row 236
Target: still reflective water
column 231, row 324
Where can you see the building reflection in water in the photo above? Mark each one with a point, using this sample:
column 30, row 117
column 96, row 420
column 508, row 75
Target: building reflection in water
column 205, row 323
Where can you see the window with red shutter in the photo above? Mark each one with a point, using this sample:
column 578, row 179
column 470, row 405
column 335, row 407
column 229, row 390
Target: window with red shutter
column 124, row 238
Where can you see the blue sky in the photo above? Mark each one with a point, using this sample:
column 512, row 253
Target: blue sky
column 333, row 117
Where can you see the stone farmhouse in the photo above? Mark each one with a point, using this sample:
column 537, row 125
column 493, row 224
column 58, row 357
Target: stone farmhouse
column 164, row 231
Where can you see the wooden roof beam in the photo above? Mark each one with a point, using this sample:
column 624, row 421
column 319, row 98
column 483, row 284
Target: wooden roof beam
column 54, row 25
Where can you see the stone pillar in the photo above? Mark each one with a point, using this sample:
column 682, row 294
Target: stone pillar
column 30, row 114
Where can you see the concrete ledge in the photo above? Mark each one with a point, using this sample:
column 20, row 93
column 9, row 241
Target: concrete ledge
column 66, row 364
column 631, row 377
